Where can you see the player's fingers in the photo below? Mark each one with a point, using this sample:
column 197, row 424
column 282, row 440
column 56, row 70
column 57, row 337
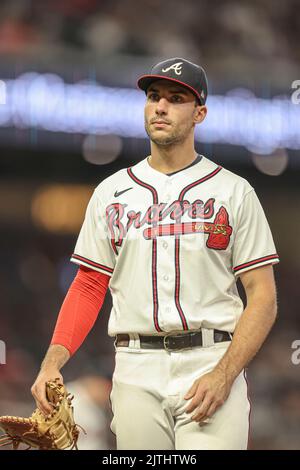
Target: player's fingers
column 206, row 418
column 39, row 394
column 211, row 410
column 196, row 401
column 215, row 404
column 201, row 411
column 43, row 407
column 191, row 391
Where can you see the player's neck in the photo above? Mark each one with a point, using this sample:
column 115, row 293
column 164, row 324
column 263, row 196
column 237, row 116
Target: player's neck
column 171, row 159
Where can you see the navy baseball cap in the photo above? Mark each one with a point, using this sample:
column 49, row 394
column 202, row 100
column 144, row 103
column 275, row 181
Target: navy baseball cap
column 180, row 71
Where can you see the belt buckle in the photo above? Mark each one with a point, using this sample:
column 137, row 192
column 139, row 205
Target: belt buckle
column 168, row 349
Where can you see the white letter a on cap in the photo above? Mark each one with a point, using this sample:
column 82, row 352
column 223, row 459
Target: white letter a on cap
column 176, row 67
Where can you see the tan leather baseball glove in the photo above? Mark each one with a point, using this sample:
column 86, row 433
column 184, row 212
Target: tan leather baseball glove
column 56, row 431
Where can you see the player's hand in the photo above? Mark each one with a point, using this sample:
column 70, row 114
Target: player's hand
column 38, row 389
column 208, row 393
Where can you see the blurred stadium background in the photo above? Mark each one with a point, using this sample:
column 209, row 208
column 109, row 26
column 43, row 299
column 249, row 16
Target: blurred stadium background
column 70, row 115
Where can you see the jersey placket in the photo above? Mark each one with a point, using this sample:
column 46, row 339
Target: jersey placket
column 166, row 268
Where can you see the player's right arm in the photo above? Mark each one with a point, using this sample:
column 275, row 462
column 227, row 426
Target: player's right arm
column 84, row 299
column 76, row 318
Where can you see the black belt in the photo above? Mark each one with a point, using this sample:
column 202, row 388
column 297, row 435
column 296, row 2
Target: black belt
column 173, row 342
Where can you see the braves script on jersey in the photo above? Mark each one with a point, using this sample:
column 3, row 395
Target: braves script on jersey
column 174, row 246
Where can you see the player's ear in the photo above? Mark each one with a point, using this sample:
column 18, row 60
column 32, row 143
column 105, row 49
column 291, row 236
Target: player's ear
column 200, row 113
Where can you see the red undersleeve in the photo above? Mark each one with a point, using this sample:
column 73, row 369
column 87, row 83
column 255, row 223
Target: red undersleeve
column 80, row 308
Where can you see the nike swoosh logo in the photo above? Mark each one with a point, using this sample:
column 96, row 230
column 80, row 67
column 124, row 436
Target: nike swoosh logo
column 118, row 193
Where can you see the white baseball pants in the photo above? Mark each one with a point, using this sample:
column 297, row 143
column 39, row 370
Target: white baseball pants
column 149, row 408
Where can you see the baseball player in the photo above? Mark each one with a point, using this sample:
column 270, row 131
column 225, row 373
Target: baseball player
column 170, row 236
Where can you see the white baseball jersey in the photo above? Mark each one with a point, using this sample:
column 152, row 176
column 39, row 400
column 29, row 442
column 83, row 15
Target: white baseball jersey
column 174, row 246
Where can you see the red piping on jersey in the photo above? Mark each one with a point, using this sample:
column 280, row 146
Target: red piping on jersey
column 154, row 250
column 177, row 284
column 255, row 261
column 201, row 180
column 92, row 263
column 177, row 247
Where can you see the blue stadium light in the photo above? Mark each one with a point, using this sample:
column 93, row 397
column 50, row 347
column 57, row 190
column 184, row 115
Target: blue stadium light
column 45, row 101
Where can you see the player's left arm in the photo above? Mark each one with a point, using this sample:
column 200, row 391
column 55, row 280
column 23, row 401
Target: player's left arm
column 212, row 389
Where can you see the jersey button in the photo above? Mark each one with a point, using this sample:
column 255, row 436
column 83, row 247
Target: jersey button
column 165, row 245
column 166, row 278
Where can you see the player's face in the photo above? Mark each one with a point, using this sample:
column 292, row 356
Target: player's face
column 171, row 112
